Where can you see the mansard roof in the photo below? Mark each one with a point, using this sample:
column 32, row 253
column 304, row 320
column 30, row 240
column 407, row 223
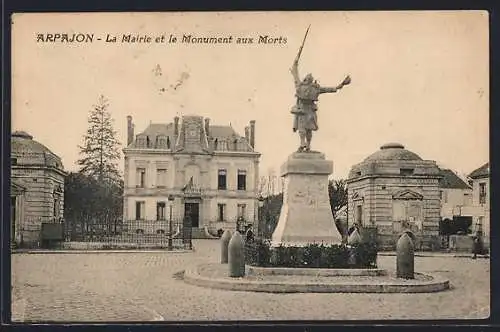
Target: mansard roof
column 217, row 134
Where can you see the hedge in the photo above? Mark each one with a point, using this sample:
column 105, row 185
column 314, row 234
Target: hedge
column 260, row 253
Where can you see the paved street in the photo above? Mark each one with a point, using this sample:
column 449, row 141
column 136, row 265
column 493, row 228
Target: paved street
column 140, row 287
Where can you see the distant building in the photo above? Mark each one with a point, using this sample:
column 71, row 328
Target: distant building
column 395, row 190
column 480, row 181
column 210, row 170
column 456, row 196
column 36, row 189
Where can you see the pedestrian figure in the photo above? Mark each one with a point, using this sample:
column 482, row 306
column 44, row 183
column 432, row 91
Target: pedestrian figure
column 352, row 228
column 475, row 246
column 249, row 235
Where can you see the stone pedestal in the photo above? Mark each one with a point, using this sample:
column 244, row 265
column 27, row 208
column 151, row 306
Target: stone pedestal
column 306, row 216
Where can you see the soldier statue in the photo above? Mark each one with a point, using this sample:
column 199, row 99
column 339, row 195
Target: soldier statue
column 307, row 92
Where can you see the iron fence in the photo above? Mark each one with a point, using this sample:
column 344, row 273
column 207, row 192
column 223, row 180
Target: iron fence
column 122, row 234
column 100, row 233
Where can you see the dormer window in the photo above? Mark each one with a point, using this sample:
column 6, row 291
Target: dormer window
column 161, row 142
column 142, row 141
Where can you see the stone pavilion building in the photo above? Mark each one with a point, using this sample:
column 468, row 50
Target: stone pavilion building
column 210, row 172
column 395, row 190
column 36, row 189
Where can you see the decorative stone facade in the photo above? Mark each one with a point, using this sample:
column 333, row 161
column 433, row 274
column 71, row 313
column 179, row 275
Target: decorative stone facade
column 396, row 190
column 37, row 188
column 210, row 170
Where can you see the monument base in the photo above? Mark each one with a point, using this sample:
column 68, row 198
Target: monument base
column 306, row 216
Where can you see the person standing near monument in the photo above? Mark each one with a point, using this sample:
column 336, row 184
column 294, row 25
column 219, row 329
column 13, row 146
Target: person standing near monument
column 307, row 92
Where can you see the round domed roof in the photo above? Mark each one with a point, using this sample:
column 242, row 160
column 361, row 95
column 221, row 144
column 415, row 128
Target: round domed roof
column 23, row 144
column 392, row 151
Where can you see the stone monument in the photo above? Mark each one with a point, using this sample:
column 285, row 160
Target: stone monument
column 306, row 216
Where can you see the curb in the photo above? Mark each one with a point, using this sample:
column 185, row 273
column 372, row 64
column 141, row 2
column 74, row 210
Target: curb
column 193, row 277
column 451, row 254
column 313, row 272
column 102, row 251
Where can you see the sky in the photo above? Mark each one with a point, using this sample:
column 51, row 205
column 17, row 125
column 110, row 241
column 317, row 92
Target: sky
column 418, row 78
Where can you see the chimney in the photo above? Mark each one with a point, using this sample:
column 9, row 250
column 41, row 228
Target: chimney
column 130, row 130
column 252, row 133
column 176, row 126
column 207, row 127
column 247, row 133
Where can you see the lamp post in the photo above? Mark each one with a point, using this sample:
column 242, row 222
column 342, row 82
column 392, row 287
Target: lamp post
column 261, row 205
column 171, row 203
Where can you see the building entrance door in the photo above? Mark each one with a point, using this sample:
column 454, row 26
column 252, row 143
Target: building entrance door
column 192, row 211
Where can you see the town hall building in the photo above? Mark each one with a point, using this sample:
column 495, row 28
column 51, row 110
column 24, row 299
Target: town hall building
column 207, row 173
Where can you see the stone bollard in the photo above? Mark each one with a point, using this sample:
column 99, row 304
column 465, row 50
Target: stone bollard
column 224, row 242
column 236, row 256
column 353, row 240
column 405, row 261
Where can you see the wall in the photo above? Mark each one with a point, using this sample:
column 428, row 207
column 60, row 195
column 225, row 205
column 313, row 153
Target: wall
column 455, row 202
column 482, row 210
column 38, row 200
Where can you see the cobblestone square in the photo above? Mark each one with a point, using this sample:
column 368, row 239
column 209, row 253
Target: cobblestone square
column 98, row 287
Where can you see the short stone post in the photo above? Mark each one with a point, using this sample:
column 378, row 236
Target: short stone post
column 224, row 242
column 353, row 240
column 405, row 261
column 236, row 256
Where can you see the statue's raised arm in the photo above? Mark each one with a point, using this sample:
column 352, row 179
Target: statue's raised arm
column 346, row 81
column 295, row 67
column 295, row 73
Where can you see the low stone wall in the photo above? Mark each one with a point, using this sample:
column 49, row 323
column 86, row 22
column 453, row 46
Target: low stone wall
column 317, row 272
column 461, row 243
column 387, row 242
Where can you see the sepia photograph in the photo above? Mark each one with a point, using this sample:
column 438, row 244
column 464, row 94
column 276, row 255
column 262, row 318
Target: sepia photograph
column 250, row 166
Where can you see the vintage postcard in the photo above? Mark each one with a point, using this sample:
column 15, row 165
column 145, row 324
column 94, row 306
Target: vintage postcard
column 234, row 166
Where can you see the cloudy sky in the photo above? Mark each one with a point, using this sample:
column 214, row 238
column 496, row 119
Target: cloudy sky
column 418, row 78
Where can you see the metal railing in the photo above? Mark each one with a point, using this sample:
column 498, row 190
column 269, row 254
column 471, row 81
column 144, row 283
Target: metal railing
column 120, row 234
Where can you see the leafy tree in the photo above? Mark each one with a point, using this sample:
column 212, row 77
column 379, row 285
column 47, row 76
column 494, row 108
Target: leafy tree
column 88, row 201
column 100, row 150
column 337, row 190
